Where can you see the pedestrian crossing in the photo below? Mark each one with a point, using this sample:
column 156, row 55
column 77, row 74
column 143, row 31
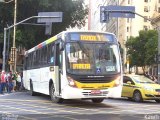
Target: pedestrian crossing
column 22, row 103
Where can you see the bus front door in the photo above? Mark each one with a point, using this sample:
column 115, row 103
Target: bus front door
column 58, row 68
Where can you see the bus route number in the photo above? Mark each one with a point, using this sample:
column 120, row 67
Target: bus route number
column 81, row 66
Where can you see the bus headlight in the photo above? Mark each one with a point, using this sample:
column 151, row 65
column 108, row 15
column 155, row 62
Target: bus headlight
column 71, row 82
column 117, row 81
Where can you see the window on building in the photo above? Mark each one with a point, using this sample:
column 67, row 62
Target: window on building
column 145, row 28
column 146, row 9
column 127, row 29
column 145, row 0
column 145, row 20
column 159, row 1
column 127, row 20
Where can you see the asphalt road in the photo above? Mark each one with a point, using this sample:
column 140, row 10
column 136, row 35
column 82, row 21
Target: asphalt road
column 22, row 106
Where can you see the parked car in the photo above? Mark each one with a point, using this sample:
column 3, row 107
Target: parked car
column 139, row 88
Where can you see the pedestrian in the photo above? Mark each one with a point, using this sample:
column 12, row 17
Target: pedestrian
column 9, row 82
column 14, row 80
column 18, row 81
column 3, row 82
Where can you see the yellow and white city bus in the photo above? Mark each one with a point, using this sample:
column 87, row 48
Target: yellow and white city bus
column 75, row 65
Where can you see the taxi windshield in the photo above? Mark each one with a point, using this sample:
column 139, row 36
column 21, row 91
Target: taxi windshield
column 92, row 58
column 142, row 79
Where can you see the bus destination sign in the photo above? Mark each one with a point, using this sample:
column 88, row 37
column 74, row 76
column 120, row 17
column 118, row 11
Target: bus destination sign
column 91, row 37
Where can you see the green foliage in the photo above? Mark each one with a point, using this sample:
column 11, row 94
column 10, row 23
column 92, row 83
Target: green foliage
column 142, row 49
column 74, row 14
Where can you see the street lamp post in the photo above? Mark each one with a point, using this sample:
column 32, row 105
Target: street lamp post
column 14, row 35
column 9, row 27
column 4, row 49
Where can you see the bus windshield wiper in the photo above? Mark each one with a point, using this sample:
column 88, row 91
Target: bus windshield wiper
column 84, row 50
column 100, row 54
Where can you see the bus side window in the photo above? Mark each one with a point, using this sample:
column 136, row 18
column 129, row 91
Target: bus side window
column 30, row 60
column 45, row 55
column 38, row 58
column 25, row 62
column 50, row 55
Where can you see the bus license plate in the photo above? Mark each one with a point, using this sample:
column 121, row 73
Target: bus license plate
column 93, row 92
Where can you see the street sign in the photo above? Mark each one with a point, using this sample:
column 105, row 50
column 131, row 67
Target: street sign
column 116, row 11
column 49, row 21
column 58, row 17
column 48, row 29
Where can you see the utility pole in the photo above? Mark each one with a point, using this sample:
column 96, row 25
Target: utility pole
column 13, row 49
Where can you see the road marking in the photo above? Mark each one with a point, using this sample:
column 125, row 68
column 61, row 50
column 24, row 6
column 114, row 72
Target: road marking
column 22, row 109
column 118, row 107
column 45, row 108
column 58, row 105
column 24, row 100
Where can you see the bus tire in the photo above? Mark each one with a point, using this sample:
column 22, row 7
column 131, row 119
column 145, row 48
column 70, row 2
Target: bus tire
column 32, row 93
column 54, row 98
column 137, row 97
column 97, row 100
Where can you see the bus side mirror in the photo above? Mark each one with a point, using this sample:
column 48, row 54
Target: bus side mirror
column 61, row 46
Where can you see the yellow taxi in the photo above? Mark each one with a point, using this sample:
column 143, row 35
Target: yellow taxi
column 139, row 88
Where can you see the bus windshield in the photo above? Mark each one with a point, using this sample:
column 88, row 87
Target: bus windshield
column 92, row 58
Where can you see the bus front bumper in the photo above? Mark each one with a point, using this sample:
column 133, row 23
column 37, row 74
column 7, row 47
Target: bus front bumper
column 76, row 93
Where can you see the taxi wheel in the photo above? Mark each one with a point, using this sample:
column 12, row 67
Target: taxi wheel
column 158, row 101
column 97, row 100
column 137, row 97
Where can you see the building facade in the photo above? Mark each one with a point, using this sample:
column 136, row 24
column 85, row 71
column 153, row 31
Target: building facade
column 94, row 17
column 156, row 24
column 124, row 28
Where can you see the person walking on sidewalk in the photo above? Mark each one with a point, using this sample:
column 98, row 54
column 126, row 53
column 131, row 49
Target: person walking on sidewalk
column 9, row 82
column 14, row 81
column 3, row 82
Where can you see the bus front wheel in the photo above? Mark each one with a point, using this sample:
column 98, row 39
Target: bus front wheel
column 97, row 100
column 54, row 98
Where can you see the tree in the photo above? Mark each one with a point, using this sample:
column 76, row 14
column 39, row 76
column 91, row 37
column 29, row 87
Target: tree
column 74, row 14
column 142, row 49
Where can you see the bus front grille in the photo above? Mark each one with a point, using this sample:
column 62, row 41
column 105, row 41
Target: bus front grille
column 95, row 80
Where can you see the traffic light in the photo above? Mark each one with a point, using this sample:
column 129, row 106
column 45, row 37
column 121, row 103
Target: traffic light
column 104, row 16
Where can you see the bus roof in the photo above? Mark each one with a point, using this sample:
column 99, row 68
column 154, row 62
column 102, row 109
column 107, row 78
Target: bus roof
column 50, row 40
